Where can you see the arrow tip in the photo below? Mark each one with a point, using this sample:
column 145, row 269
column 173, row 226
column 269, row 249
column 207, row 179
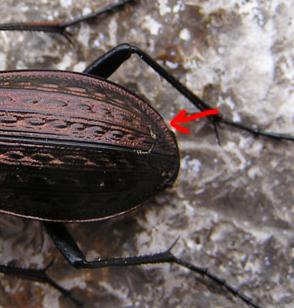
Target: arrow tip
column 179, row 118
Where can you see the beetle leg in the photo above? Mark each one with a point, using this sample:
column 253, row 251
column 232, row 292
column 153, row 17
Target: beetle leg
column 37, row 275
column 60, row 27
column 70, row 250
column 108, row 63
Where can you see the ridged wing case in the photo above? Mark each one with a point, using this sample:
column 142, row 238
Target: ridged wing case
column 77, row 148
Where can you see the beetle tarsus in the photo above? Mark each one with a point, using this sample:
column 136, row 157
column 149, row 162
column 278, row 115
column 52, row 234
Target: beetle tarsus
column 256, row 131
column 221, row 282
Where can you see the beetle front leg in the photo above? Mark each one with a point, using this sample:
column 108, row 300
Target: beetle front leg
column 108, row 63
column 38, row 275
column 72, row 253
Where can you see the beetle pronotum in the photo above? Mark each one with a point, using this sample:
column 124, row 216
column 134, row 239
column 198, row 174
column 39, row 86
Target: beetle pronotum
column 27, row 76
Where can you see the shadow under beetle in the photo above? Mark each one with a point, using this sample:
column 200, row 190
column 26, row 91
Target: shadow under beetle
column 77, row 147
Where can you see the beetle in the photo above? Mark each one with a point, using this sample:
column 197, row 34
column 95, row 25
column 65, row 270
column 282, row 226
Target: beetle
column 50, row 81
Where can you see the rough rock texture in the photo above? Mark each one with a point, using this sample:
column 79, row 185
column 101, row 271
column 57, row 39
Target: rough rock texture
column 232, row 205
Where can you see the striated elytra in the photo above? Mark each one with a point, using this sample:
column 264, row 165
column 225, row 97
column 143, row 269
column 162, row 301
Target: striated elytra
column 74, row 147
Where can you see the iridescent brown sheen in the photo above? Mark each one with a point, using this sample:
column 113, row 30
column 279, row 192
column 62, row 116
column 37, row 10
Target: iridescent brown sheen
column 76, row 148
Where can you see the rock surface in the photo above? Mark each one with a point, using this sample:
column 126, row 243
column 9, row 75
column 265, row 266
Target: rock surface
column 232, row 205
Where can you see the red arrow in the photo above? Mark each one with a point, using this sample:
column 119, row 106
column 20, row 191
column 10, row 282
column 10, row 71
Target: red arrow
column 182, row 117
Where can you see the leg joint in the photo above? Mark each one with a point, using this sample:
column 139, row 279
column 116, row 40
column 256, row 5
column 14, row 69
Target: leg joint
column 78, row 264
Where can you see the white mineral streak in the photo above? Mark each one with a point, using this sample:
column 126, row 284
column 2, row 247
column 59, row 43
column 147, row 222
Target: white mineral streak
column 84, row 36
column 2, row 61
column 164, row 8
column 151, row 25
column 66, row 62
column 65, row 3
column 185, row 35
column 113, row 33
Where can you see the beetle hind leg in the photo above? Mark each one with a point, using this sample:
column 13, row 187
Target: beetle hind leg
column 72, row 253
column 38, row 275
column 108, row 63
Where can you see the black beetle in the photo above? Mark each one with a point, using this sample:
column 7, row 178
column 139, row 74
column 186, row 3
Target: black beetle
column 141, row 157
